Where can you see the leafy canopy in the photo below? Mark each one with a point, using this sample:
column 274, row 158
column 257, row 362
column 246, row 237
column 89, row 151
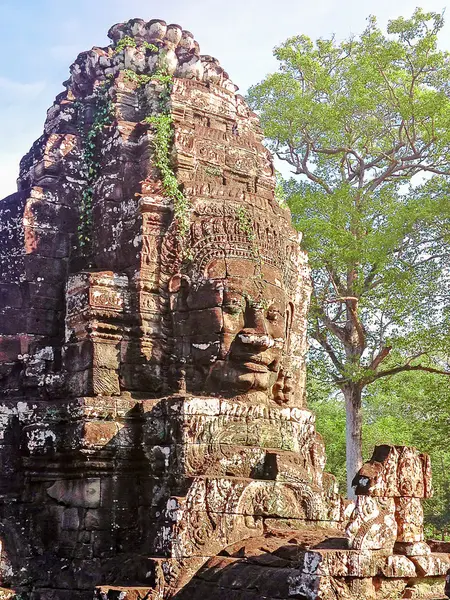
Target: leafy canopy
column 365, row 124
column 410, row 409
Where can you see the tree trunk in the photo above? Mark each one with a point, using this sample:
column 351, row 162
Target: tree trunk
column 352, row 395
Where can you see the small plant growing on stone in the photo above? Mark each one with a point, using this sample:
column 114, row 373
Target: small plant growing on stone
column 129, row 42
column 102, row 118
column 245, row 223
column 139, row 79
column 150, row 47
column 125, row 42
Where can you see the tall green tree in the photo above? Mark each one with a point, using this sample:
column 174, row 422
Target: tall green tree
column 365, row 125
column 411, row 408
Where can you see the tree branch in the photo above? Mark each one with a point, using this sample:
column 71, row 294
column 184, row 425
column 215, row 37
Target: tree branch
column 322, row 340
column 303, row 169
column 342, row 299
column 382, row 354
column 402, row 368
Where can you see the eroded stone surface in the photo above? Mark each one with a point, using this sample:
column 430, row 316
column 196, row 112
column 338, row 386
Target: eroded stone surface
column 154, row 438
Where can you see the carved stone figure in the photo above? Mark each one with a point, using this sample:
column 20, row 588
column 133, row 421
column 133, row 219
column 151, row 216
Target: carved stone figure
column 155, row 441
column 233, row 314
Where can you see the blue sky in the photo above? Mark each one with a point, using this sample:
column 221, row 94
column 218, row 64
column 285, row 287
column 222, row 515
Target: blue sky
column 39, row 39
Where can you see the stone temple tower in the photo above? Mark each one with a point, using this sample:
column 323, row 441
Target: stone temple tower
column 155, row 441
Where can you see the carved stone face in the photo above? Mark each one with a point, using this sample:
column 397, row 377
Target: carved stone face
column 234, row 326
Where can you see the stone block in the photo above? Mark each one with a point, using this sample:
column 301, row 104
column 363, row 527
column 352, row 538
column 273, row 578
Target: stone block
column 372, row 525
column 43, row 214
column 40, row 321
column 71, row 519
column 396, row 565
column 100, row 433
column 395, row 471
column 98, row 519
column 49, row 243
column 412, row 548
column 82, row 493
column 142, row 377
column 10, row 295
column 104, row 543
column 52, row 271
column 431, row 565
column 91, row 353
column 12, row 268
column 409, row 517
column 10, row 348
column 94, row 381
column 40, row 438
column 115, row 491
column 13, row 321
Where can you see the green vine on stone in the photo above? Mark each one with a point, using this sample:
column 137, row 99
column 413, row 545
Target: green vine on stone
column 163, row 124
column 102, row 118
column 129, row 42
column 139, row 79
column 245, row 225
column 163, row 141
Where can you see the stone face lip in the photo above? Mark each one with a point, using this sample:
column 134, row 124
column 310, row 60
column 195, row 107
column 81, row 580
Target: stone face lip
column 155, row 441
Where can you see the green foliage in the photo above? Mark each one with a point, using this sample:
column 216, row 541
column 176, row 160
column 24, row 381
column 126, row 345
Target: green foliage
column 411, row 409
column 330, row 423
column 130, row 42
column 139, row 79
column 163, row 77
column 245, row 223
column 103, row 115
column 365, row 125
column 125, row 42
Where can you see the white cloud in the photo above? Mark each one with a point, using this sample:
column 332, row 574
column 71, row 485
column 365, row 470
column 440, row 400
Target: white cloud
column 21, row 89
column 9, row 170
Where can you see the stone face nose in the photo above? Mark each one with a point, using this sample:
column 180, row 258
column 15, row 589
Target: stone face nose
column 255, row 332
column 255, row 321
